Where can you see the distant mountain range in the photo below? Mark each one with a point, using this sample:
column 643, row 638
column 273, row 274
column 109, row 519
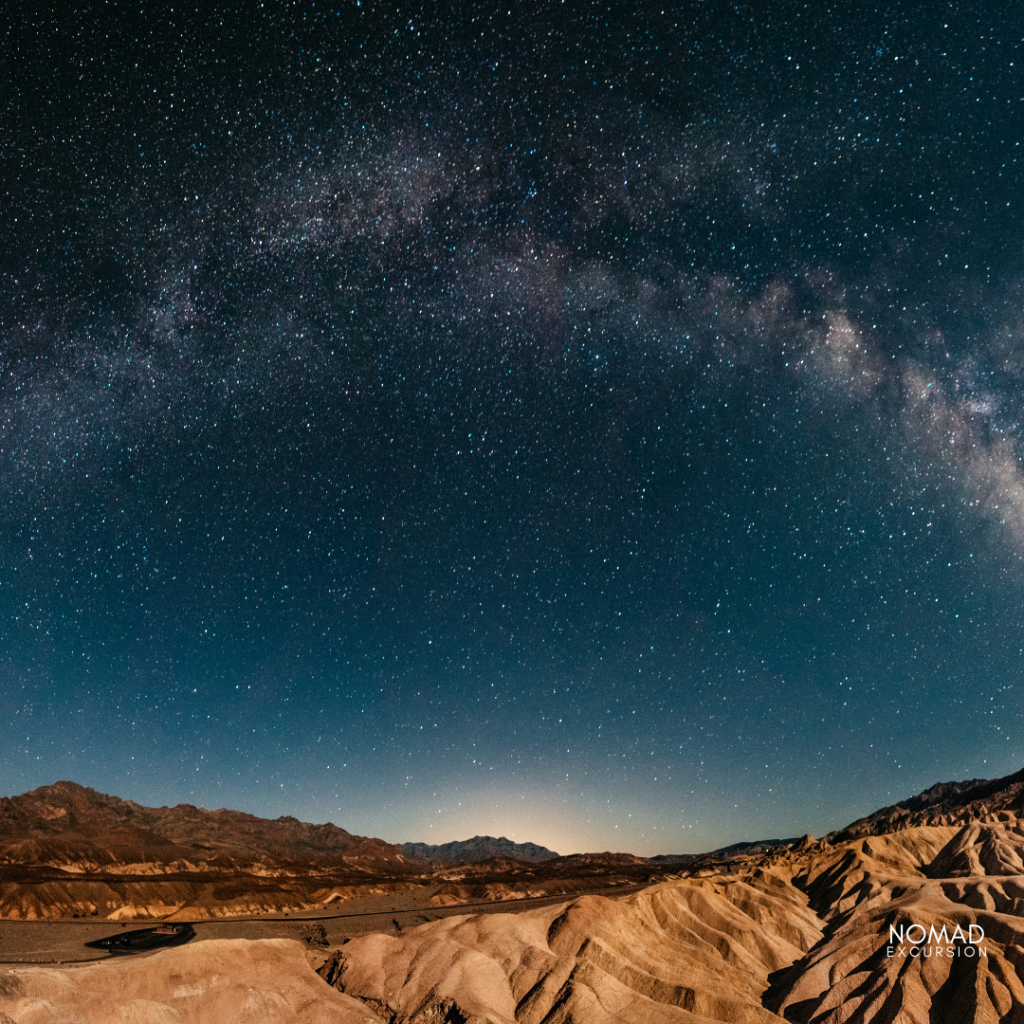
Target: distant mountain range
column 70, row 824
column 479, row 848
column 68, row 851
column 66, row 822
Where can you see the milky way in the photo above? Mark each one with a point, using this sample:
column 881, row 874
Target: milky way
column 588, row 424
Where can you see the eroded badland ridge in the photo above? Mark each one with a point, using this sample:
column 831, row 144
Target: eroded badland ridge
column 913, row 914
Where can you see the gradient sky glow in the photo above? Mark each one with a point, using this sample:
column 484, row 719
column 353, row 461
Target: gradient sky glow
column 585, row 423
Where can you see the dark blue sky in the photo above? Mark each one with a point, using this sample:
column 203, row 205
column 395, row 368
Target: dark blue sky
column 584, row 423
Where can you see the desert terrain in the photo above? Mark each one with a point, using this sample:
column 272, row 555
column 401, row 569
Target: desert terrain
column 913, row 914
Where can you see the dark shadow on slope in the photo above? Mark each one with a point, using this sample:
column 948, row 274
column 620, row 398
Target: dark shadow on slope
column 142, row 940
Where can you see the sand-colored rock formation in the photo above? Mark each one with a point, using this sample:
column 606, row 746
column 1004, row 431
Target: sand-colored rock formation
column 857, row 974
column 263, row 982
column 687, row 950
column 982, row 848
column 923, row 879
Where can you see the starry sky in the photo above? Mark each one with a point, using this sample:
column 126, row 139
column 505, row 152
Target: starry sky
column 589, row 423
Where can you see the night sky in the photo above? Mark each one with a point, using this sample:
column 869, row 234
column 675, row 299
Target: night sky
column 593, row 424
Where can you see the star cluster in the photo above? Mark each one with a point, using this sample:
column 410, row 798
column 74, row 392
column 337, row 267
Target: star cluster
column 590, row 423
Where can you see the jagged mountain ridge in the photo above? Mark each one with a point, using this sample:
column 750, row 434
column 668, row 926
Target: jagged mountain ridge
column 945, row 803
column 479, row 848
